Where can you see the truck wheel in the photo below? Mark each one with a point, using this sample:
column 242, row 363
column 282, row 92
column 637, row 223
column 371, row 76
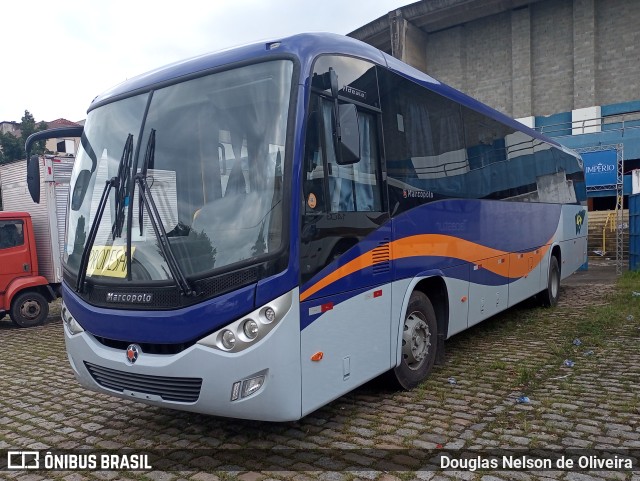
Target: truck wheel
column 549, row 297
column 29, row 309
column 419, row 342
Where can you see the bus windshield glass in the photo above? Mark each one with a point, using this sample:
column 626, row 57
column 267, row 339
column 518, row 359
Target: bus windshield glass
column 212, row 150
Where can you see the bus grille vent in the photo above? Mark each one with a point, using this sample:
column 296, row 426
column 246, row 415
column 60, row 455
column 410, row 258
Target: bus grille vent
column 380, row 256
column 178, row 389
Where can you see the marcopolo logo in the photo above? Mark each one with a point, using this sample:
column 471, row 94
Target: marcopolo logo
column 131, row 298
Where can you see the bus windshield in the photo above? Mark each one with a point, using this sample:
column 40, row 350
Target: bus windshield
column 214, row 171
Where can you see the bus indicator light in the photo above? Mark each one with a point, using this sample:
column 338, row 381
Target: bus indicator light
column 235, row 391
column 377, row 294
column 317, row 356
column 326, row 307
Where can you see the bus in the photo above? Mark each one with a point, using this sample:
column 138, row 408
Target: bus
column 256, row 232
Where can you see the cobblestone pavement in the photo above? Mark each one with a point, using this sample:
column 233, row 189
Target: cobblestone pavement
column 594, row 404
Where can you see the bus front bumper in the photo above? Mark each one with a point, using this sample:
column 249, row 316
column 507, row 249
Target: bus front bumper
column 173, row 381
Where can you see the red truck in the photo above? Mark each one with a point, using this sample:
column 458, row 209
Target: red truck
column 32, row 238
column 24, row 293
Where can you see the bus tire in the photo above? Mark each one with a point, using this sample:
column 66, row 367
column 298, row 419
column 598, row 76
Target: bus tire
column 29, row 309
column 419, row 342
column 549, row 297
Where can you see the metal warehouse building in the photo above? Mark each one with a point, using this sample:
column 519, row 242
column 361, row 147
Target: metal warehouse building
column 568, row 68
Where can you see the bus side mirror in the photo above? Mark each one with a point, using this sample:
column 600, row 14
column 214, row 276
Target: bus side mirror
column 80, row 189
column 33, row 168
column 349, row 142
column 33, row 177
column 333, row 82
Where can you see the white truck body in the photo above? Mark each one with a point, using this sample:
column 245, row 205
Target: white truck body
column 49, row 216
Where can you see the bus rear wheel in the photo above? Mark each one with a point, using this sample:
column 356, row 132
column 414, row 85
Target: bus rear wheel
column 549, row 297
column 419, row 342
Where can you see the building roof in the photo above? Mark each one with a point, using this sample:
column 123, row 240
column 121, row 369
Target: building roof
column 432, row 16
column 61, row 123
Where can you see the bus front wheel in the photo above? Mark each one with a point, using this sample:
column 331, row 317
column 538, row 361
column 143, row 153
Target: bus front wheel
column 419, row 342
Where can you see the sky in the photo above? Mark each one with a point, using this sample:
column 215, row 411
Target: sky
column 58, row 55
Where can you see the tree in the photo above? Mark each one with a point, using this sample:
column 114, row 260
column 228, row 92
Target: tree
column 12, row 147
column 28, row 127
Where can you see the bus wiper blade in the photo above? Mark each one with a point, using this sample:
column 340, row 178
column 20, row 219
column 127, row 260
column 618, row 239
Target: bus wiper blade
column 149, row 156
column 161, row 235
column 119, row 183
column 122, row 200
column 146, row 200
column 84, row 260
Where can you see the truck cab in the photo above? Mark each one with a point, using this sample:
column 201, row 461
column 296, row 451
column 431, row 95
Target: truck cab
column 24, row 293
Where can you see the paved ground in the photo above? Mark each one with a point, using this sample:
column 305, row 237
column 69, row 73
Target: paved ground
column 594, row 404
column 600, row 271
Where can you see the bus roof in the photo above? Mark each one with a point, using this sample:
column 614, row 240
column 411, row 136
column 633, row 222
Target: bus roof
column 304, row 46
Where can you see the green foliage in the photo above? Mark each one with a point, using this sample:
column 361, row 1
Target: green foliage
column 28, row 127
column 12, row 147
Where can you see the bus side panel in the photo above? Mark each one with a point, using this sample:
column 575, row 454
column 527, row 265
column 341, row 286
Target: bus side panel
column 527, row 266
column 573, row 239
column 351, row 330
column 457, row 281
column 488, row 292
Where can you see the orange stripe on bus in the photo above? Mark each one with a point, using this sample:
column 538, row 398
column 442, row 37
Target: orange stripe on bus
column 438, row 245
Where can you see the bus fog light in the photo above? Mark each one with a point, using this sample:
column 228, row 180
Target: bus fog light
column 250, row 328
column 270, row 314
column 251, row 386
column 235, row 391
column 228, row 339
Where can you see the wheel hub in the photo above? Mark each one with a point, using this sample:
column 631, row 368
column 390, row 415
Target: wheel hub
column 416, row 340
column 30, row 309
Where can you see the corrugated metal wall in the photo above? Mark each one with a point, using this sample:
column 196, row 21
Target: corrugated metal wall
column 15, row 197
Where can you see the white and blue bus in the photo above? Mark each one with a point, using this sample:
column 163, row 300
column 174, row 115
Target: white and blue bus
column 256, row 232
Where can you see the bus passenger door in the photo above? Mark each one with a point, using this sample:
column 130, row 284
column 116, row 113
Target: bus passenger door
column 488, row 288
column 345, row 262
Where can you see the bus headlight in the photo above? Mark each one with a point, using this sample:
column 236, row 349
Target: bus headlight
column 250, row 329
column 228, row 339
column 269, row 314
column 70, row 321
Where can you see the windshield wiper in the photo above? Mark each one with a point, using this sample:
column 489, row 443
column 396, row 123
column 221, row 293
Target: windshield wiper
column 146, row 200
column 116, row 183
column 122, row 199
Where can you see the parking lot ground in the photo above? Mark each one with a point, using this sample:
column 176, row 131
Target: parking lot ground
column 468, row 404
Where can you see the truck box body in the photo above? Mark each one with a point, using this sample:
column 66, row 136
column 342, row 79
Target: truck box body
column 49, row 216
